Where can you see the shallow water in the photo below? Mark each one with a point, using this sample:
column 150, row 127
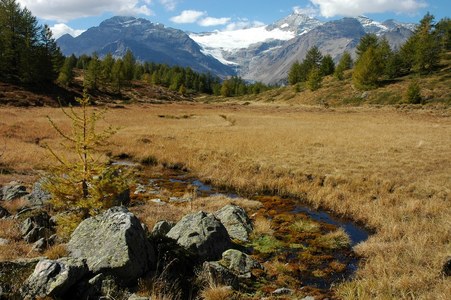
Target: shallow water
column 305, row 260
column 356, row 232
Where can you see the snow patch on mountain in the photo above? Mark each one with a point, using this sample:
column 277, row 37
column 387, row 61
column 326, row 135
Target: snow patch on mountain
column 372, row 26
column 239, row 39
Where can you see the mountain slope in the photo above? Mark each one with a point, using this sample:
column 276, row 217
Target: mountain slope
column 147, row 41
column 266, row 53
column 332, row 38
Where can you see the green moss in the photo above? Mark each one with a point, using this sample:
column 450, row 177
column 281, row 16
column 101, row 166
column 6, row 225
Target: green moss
column 266, row 244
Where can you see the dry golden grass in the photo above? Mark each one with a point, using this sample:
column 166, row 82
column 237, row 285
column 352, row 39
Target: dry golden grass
column 56, row 251
column 152, row 212
column 388, row 168
column 217, row 293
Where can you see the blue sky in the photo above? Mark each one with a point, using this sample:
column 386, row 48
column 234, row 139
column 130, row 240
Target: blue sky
column 74, row 16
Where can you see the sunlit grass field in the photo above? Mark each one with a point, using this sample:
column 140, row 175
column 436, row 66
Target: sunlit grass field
column 387, row 168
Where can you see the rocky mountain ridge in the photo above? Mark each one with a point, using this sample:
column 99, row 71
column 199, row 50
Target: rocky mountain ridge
column 262, row 53
column 148, row 42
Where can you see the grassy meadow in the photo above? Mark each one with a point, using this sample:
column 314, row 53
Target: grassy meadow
column 387, row 168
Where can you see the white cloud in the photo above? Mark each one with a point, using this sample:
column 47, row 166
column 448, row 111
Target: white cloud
column 65, row 10
column 188, row 16
column 243, row 24
column 309, row 11
column 210, row 21
column 331, row 8
column 199, row 17
column 61, row 29
column 169, row 4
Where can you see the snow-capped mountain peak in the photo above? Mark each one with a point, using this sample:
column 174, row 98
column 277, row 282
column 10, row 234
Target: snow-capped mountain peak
column 296, row 22
column 372, row 26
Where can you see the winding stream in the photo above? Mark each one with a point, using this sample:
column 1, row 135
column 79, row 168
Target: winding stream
column 301, row 256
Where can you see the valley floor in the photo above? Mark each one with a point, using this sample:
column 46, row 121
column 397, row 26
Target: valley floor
column 388, row 169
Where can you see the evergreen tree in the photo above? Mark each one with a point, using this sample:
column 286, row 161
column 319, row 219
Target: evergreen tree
column 129, row 66
column 344, row 64
column 117, row 76
column 394, row 66
column 327, row 65
column 227, row 88
column 367, row 41
column 299, row 71
column 427, row 48
column 421, row 52
column 294, row 74
column 443, row 29
column 93, row 73
column 107, row 68
column 314, row 79
column 66, row 74
column 312, row 59
column 28, row 53
column 367, row 70
column 83, row 62
column 413, row 93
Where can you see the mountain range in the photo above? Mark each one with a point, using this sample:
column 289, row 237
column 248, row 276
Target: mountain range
column 263, row 53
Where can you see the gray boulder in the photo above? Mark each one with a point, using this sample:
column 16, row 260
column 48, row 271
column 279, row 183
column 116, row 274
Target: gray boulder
column 220, row 275
column 161, row 228
column 53, row 278
column 203, row 234
column 113, row 243
column 239, row 263
column 100, row 286
column 236, row 221
column 37, row 227
column 39, row 195
column 13, row 191
column 40, row 245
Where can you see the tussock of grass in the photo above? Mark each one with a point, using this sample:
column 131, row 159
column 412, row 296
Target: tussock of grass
column 305, row 225
column 262, row 226
column 217, row 293
column 56, row 251
column 333, row 240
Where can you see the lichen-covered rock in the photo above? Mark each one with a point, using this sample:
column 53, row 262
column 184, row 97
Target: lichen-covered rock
column 100, row 286
column 236, row 221
column 161, row 228
column 220, row 275
column 239, row 263
column 39, row 195
column 13, row 274
column 53, row 278
column 13, row 190
column 203, row 234
column 39, row 245
column 37, row 227
column 113, row 243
